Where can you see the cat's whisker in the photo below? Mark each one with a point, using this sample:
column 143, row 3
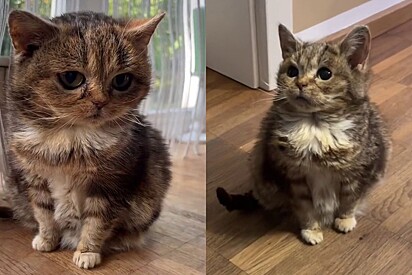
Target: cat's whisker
column 122, row 129
column 71, row 121
column 265, row 100
column 134, row 99
column 32, row 102
column 270, row 93
column 136, row 120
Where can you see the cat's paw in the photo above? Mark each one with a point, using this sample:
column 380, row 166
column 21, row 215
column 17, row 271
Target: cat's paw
column 345, row 225
column 87, row 259
column 44, row 245
column 312, row 236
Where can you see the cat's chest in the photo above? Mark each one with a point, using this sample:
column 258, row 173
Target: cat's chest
column 59, row 145
column 66, row 193
column 307, row 136
column 324, row 186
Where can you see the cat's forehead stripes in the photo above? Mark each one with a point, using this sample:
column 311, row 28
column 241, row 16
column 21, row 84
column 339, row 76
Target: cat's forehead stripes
column 98, row 42
column 311, row 55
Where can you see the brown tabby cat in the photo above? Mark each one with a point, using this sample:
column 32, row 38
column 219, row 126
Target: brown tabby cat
column 86, row 169
column 322, row 145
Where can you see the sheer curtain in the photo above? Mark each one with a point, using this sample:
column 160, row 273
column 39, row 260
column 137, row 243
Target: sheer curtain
column 4, row 7
column 176, row 104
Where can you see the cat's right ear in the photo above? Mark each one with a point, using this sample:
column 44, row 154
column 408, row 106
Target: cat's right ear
column 356, row 46
column 141, row 30
column 288, row 42
column 28, row 31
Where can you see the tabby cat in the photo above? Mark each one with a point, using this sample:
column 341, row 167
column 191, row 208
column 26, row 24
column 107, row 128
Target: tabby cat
column 86, row 170
column 323, row 144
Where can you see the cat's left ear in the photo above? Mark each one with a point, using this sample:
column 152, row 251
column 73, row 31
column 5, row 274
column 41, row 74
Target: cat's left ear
column 356, row 46
column 288, row 42
column 142, row 31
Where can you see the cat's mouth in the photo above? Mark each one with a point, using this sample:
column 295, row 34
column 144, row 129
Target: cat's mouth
column 96, row 115
column 302, row 99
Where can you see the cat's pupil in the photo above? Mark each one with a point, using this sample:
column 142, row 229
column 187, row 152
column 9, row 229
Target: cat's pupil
column 324, row 73
column 292, row 71
column 71, row 77
column 122, row 82
column 71, row 80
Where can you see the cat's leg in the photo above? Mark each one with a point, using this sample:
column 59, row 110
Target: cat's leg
column 143, row 211
column 47, row 238
column 68, row 217
column 124, row 240
column 349, row 200
column 305, row 213
column 99, row 218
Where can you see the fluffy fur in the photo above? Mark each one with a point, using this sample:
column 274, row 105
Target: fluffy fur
column 323, row 144
column 86, row 170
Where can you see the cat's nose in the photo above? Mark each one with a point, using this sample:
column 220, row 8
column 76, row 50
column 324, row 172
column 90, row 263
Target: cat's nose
column 302, row 85
column 100, row 103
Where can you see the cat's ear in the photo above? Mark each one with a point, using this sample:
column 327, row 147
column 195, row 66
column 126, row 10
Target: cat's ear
column 288, row 42
column 356, row 46
column 141, row 30
column 28, row 32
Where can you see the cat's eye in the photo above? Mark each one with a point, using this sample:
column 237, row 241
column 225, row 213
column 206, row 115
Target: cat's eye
column 122, row 82
column 324, row 73
column 292, row 71
column 71, row 80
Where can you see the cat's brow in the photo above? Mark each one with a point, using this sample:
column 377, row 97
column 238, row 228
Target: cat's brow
column 323, row 51
column 332, row 50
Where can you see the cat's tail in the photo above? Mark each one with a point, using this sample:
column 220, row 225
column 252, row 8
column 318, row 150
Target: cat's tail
column 5, row 212
column 245, row 202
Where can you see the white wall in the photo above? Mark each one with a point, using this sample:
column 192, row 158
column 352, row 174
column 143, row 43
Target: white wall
column 231, row 39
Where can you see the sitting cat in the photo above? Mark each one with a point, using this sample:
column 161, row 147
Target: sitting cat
column 85, row 168
column 323, row 144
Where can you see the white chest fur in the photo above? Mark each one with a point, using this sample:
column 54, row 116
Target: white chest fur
column 54, row 142
column 324, row 186
column 316, row 135
column 68, row 198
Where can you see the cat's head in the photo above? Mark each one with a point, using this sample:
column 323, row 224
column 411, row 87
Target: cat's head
column 80, row 68
column 324, row 76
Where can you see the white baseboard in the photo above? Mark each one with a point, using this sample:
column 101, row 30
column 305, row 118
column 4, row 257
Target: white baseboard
column 346, row 19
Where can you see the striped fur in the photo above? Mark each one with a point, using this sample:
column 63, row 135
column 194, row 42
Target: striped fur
column 89, row 183
column 323, row 145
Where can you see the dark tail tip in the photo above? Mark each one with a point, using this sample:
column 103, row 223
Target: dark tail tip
column 236, row 201
column 5, row 213
column 224, row 198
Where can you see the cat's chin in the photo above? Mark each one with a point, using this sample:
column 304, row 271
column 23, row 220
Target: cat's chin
column 92, row 121
column 303, row 105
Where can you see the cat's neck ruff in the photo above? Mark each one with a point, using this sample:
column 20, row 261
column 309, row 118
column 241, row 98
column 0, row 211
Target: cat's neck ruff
column 65, row 138
column 317, row 134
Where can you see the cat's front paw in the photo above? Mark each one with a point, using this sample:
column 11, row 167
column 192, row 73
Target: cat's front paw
column 87, row 259
column 42, row 244
column 312, row 236
column 345, row 225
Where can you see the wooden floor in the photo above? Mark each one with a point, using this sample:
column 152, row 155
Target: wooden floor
column 175, row 245
column 267, row 243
